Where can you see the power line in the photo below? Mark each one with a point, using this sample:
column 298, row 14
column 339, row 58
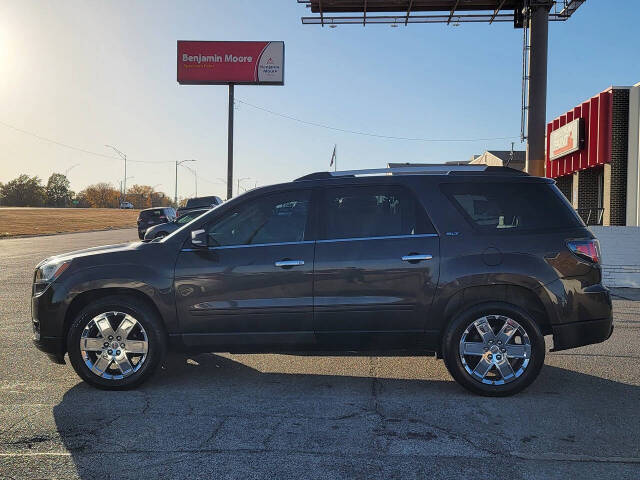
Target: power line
column 369, row 134
column 78, row 149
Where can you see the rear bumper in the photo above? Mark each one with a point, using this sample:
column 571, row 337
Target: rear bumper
column 577, row 315
column 577, row 334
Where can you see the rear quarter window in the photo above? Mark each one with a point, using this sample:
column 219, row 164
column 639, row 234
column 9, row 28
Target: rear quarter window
column 512, row 207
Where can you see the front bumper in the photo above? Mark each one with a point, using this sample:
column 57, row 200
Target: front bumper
column 577, row 334
column 46, row 336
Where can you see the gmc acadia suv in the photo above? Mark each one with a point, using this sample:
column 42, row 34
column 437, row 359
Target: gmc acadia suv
column 474, row 264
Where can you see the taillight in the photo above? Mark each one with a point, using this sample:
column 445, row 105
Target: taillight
column 585, row 249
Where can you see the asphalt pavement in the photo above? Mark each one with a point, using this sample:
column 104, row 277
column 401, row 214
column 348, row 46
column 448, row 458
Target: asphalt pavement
column 281, row 416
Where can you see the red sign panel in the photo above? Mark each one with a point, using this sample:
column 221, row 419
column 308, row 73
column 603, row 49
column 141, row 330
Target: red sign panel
column 223, row 63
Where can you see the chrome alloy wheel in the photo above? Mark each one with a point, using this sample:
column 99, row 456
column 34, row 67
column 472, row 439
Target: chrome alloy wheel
column 495, row 358
column 114, row 345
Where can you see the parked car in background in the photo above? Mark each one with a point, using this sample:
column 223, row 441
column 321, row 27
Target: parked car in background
column 164, row 229
column 474, row 264
column 126, row 205
column 154, row 216
column 198, row 203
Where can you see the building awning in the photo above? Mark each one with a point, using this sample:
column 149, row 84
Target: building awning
column 595, row 149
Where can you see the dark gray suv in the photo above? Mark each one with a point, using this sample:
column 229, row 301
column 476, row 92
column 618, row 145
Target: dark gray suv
column 473, row 264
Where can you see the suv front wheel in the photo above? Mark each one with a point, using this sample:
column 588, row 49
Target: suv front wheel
column 116, row 343
column 494, row 349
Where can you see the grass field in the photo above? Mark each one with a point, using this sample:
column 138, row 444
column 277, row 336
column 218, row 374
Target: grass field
column 40, row 221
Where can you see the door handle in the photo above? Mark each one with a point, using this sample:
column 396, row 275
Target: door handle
column 289, row 263
column 416, row 258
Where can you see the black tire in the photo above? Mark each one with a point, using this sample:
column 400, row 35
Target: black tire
column 495, row 311
column 144, row 315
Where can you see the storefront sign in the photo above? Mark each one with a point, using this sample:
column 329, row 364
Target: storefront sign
column 216, row 63
column 566, row 139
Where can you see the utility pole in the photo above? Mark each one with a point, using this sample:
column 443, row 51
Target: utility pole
column 124, row 157
column 66, row 172
column 240, row 180
column 179, row 162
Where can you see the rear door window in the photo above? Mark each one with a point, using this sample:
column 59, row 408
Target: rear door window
column 371, row 211
column 503, row 207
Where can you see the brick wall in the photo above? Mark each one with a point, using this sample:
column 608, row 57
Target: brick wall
column 588, row 192
column 619, row 147
column 620, row 255
column 565, row 184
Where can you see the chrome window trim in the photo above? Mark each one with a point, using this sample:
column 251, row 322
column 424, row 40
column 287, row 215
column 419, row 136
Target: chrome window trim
column 225, row 247
column 386, row 237
column 306, row 242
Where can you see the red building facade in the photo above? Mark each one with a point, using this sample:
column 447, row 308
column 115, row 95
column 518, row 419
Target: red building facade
column 588, row 154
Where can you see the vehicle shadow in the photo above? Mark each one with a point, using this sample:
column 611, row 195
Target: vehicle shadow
column 209, row 416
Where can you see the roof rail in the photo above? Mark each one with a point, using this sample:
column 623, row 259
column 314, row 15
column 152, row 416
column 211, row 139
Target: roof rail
column 425, row 169
column 436, row 169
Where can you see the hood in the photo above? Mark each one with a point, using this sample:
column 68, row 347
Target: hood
column 120, row 247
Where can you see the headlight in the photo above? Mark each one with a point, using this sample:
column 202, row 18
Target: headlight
column 47, row 272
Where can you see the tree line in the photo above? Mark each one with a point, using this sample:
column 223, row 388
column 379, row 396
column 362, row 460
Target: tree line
column 26, row 191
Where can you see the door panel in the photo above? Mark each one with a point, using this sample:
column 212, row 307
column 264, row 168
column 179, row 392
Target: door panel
column 365, row 286
column 253, row 284
column 241, row 290
column 376, row 263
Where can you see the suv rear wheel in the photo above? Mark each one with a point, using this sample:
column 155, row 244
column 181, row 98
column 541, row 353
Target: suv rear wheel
column 116, row 343
column 494, row 349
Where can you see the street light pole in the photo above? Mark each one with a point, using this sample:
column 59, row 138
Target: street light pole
column 179, row 162
column 124, row 157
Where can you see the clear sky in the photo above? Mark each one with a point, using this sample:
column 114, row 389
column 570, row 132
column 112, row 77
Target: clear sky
column 89, row 73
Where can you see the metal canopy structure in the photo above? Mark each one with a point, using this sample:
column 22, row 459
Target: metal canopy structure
column 331, row 12
column 532, row 16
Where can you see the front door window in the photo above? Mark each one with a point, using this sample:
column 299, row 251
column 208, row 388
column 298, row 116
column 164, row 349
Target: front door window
column 278, row 218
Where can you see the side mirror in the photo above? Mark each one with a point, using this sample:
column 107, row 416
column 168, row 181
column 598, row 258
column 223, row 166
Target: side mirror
column 199, row 238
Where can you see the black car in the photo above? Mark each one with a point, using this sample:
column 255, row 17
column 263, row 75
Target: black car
column 164, row 229
column 473, row 264
column 154, row 216
column 199, row 203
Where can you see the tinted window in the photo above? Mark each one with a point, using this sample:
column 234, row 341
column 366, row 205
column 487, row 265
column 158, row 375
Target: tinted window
column 270, row 219
column 512, row 206
column 187, row 217
column 148, row 214
column 371, row 211
column 203, row 201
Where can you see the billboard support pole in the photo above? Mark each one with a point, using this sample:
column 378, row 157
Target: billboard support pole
column 536, row 114
column 230, row 146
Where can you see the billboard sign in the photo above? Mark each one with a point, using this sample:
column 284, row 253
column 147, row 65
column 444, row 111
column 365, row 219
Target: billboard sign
column 224, row 63
column 566, row 139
